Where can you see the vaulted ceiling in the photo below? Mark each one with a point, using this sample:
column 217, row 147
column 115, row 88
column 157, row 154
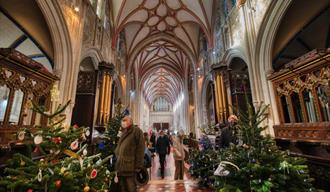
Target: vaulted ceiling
column 162, row 65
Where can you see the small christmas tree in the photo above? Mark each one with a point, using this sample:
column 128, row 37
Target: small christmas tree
column 65, row 164
column 203, row 163
column 202, row 166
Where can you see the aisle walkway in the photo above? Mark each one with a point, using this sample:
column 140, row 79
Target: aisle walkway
column 168, row 184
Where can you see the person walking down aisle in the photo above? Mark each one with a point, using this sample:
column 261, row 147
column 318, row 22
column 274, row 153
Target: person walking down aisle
column 130, row 154
column 162, row 148
column 179, row 155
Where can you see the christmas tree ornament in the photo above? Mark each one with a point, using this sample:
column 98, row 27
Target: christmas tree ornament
column 22, row 163
column 98, row 162
column 21, row 135
column 29, row 190
column 58, row 184
column 74, row 145
column 55, row 161
column 62, row 170
column 39, row 176
column 85, row 152
column 86, row 188
column 87, row 133
column 57, row 140
column 101, row 145
column 83, row 137
column 116, row 180
column 38, row 139
column 93, row 173
column 50, row 171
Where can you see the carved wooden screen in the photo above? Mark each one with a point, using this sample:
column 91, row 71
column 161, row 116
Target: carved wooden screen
column 302, row 92
column 21, row 80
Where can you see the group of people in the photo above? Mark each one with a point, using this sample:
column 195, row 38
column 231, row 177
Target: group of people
column 163, row 145
column 131, row 148
column 133, row 142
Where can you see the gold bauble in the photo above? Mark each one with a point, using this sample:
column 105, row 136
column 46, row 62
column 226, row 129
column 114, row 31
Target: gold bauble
column 86, row 188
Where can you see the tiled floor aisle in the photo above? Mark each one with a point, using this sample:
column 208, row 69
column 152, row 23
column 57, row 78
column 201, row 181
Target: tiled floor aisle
column 168, row 184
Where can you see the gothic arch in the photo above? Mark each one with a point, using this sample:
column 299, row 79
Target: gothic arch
column 94, row 54
column 263, row 55
column 63, row 56
column 232, row 53
column 206, row 83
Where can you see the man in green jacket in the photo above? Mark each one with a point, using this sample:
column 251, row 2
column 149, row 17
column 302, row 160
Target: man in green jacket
column 130, row 154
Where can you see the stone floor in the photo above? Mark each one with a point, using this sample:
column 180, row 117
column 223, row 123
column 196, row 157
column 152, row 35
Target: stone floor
column 168, row 184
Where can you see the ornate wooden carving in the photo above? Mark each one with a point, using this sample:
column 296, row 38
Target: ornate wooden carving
column 306, row 73
column 86, row 82
column 311, row 132
column 19, row 72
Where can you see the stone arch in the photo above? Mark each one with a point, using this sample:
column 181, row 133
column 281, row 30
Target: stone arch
column 232, row 53
column 205, row 87
column 263, row 55
column 63, row 55
column 94, row 54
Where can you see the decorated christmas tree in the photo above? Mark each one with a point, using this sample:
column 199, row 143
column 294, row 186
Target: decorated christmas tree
column 107, row 141
column 257, row 164
column 64, row 164
column 203, row 162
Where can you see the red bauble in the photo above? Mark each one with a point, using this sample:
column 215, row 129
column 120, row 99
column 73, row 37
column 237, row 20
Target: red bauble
column 58, row 184
column 55, row 161
column 93, row 173
column 29, row 190
column 57, row 140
